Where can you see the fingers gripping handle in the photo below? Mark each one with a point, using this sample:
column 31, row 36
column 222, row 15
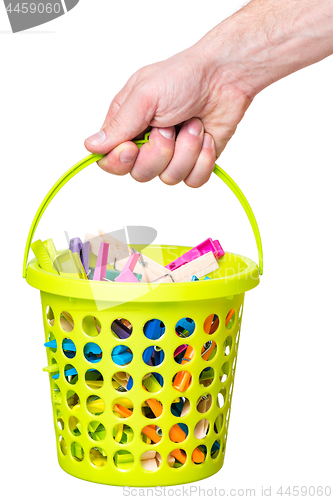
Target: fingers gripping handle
column 93, row 158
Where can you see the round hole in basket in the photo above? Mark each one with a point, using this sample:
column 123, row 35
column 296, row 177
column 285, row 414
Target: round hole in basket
column 95, row 405
column 121, row 355
column 96, row 430
column 150, row 460
column 94, row 379
column 123, row 460
column 74, row 425
column 180, row 406
column 153, row 355
column 66, row 322
column 49, row 316
column 199, row 454
column 152, row 408
column 122, row 408
column 177, row 458
column 152, row 382
column 215, row 449
column 204, row 403
column 185, row 327
column 70, row 374
column 122, row 433
column 62, row 445
column 98, row 457
column 154, row 329
column 91, row 326
column 122, row 381
column 211, row 324
column 73, row 400
column 77, row 451
column 206, row 377
column 151, row 434
column 202, row 428
column 121, row 328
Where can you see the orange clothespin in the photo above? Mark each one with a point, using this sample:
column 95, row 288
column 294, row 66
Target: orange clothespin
column 183, row 378
column 207, row 349
column 151, row 431
column 122, row 410
column 229, row 316
column 155, row 406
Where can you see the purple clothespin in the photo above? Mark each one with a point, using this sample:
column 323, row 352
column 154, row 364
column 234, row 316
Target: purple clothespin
column 75, row 245
column 102, row 261
column 85, row 255
column 126, row 275
column 206, row 246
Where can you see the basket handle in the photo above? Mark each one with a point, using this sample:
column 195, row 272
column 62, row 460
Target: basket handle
column 93, row 158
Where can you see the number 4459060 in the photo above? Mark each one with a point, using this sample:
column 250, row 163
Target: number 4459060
column 33, row 8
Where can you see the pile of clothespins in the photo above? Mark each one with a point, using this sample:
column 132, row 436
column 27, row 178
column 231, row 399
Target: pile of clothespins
column 104, row 258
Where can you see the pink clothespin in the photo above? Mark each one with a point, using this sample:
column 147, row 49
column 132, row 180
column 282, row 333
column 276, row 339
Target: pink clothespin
column 206, row 246
column 102, row 261
column 126, row 275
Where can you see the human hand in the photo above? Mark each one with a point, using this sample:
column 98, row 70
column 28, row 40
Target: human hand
column 185, row 90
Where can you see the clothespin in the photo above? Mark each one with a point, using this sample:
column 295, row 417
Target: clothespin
column 179, row 455
column 68, row 373
column 194, row 278
column 206, row 278
column 69, row 265
column 95, row 406
column 126, row 275
column 51, row 249
column 43, row 258
column 151, row 384
column 185, row 327
column 229, row 318
column 201, row 429
column 183, row 378
column 96, row 430
column 75, row 245
column 198, row 456
column 123, row 381
column 154, row 329
column 149, row 460
column 203, row 248
column 121, row 355
column 155, row 406
column 199, row 267
column 123, row 459
column 98, row 457
column 153, row 432
column 207, row 349
column 102, row 260
column 85, row 251
column 147, row 355
column 122, row 330
column 203, row 404
column 122, row 410
column 211, row 323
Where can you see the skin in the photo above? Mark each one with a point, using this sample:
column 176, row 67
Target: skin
column 194, row 100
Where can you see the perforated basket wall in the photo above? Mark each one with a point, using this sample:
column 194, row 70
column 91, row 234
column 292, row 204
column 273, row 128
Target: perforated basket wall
column 88, row 428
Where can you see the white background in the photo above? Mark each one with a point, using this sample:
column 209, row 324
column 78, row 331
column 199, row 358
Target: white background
column 57, row 82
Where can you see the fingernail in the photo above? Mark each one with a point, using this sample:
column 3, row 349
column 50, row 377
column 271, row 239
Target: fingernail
column 127, row 155
column 97, row 139
column 194, row 127
column 208, row 141
column 167, row 132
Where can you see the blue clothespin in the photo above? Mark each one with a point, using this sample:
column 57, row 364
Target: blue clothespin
column 206, row 278
column 129, row 383
column 154, row 329
column 185, row 327
column 158, row 356
column 215, row 447
column 194, row 278
column 68, row 373
column 121, row 355
column 147, row 355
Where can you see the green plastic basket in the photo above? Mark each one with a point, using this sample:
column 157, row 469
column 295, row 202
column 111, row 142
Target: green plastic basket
column 86, row 424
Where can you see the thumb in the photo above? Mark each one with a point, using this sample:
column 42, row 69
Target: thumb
column 132, row 118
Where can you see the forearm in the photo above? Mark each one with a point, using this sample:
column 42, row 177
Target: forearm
column 269, row 39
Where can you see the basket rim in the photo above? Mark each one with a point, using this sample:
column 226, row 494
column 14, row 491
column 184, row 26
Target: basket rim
column 229, row 285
